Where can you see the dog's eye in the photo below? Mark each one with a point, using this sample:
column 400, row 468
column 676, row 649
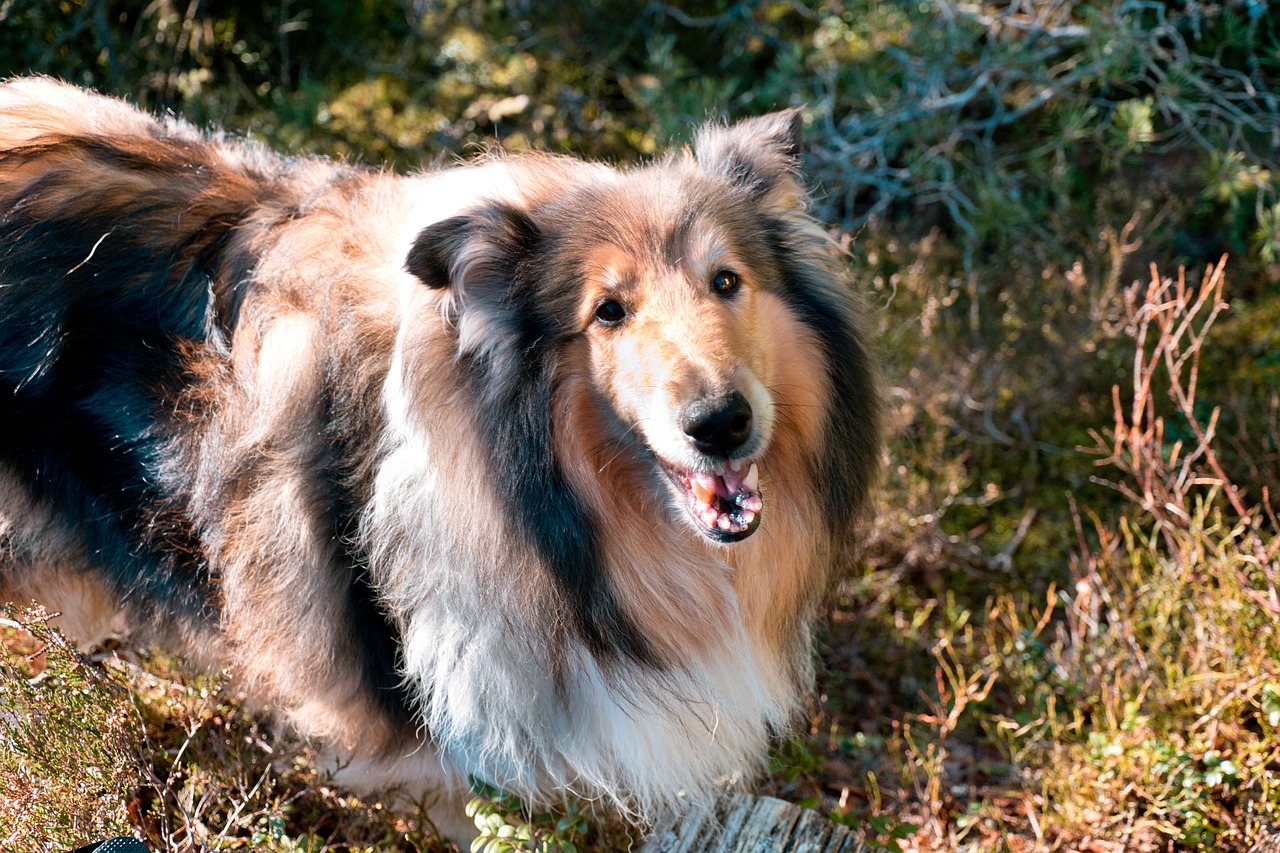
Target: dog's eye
column 726, row 282
column 610, row 312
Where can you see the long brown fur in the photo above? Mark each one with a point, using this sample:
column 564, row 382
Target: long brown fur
column 425, row 460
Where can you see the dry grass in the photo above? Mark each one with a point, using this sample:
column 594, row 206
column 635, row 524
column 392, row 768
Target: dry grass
column 1135, row 708
column 124, row 743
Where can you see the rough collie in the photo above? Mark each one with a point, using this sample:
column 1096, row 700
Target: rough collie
column 527, row 469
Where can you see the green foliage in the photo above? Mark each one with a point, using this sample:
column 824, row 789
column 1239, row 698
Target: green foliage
column 887, row 832
column 793, row 757
column 505, row 825
column 999, row 123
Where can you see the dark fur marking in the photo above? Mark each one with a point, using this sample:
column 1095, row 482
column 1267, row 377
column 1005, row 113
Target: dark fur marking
column 376, row 641
column 83, row 361
column 93, row 360
column 515, row 390
column 431, row 256
column 853, row 418
column 551, row 514
column 509, row 234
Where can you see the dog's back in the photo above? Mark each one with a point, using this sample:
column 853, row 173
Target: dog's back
column 115, row 283
column 90, row 320
column 35, row 107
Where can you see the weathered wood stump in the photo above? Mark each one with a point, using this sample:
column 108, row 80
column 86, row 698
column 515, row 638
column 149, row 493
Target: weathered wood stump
column 745, row 824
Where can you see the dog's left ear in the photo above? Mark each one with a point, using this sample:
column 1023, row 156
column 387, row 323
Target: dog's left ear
column 474, row 252
column 759, row 155
column 477, row 257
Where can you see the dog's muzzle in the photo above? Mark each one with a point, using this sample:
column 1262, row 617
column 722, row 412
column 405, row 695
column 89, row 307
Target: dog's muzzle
column 724, row 496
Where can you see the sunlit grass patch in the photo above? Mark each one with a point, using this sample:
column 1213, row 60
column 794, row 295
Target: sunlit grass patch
column 67, row 737
column 131, row 744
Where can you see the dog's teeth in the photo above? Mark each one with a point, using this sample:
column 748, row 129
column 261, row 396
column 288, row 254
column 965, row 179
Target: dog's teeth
column 747, row 518
column 701, row 492
column 735, row 465
column 724, row 523
column 719, row 469
column 751, row 504
column 752, row 480
column 709, row 516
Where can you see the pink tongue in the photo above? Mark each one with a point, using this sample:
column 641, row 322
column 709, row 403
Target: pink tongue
column 728, row 486
column 732, row 484
column 718, row 486
column 708, row 491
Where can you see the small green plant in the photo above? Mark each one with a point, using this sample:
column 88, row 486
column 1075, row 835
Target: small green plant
column 506, row 825
column 887, row 832
column 793, row 757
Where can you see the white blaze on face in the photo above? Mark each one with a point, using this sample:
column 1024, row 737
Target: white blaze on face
column 763, row 412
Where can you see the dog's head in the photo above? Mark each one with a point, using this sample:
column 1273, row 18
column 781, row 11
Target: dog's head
column 661, row 275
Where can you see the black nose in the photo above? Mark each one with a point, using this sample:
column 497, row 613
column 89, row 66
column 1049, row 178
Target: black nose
column 719, row 425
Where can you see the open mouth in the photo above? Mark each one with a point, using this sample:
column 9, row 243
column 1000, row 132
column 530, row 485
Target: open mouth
column 725, row 504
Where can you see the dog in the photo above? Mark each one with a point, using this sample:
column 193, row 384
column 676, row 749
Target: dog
column 526, row 469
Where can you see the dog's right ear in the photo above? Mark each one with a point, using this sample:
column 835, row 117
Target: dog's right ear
column 475, row 251
column 760, row 155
